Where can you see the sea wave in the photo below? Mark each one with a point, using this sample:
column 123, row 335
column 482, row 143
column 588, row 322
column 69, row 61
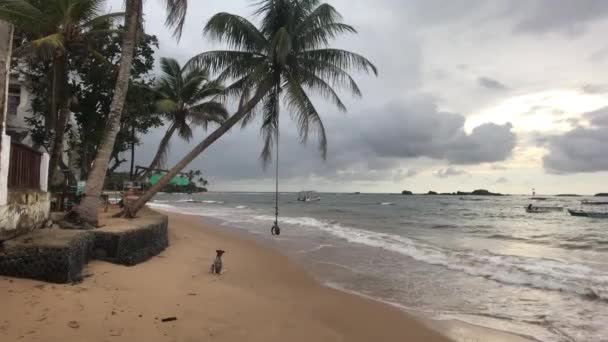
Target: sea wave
column 540, row 273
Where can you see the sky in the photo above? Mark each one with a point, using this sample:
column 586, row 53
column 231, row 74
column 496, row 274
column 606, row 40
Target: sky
column 501, row 95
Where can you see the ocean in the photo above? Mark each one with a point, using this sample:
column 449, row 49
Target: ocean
column 481, row 260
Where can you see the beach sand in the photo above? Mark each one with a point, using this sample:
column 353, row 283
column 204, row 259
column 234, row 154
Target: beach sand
column 262, row 296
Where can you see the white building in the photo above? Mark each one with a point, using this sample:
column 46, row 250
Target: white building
column 24, row 199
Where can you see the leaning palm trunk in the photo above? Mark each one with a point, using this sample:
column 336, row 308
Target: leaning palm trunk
column 86, row 212
column 131, row 210
column 162, row 150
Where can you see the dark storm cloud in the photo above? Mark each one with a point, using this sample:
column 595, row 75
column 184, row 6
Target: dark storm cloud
column 449, row 172
column 418, row 129
column 570, row 17
column 491, row 84
column 567, row 16
column 365, row 145
column 582, row 149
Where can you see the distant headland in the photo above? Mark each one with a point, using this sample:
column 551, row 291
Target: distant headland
column 480, row 192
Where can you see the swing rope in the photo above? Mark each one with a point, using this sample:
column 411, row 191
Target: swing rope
column 275, row 229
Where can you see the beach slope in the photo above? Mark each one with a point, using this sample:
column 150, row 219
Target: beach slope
column 261, row 297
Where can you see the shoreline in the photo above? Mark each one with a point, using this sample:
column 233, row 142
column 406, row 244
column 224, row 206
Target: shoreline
column 262, row 296
column 452, row 328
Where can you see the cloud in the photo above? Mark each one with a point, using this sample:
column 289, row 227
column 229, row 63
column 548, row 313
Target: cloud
column 491, row 84
column 416, row 128
column 486, row 144
column 449, row 172
column 582, row 149
column 502, row 180
column 401, row 175
column 566, row 16
column 595, row 88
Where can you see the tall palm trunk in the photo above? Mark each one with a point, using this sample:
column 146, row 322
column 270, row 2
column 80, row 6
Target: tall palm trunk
column 87, row 211
column 60, row 112
column 6, row 43
column 131, row 210
column 161, row 150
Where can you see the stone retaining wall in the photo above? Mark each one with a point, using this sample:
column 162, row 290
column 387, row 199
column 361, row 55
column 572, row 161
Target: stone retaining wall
column 59, row 255
column 132, row 242
column 53, row 255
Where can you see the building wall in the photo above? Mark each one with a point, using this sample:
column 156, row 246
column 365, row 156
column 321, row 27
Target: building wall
column 15, row 121
column 26, row 211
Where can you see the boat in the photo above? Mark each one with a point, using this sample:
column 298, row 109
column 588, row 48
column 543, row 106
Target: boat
column 587, row 202
column 591, row 214
column 308, row 196
column 537, row 210
column 539, row 198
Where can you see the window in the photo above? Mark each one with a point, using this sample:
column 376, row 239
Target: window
column 14, row 99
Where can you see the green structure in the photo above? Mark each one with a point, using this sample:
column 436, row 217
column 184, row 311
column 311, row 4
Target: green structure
column 177, row 180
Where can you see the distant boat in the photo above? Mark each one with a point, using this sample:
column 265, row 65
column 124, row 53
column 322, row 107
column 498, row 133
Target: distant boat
column 539, row 198
column 308, row 196
column 587, row 202
column 591, row 214
column 538, row 210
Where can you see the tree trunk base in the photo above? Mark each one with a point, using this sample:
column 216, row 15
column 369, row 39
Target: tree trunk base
column 72, row 220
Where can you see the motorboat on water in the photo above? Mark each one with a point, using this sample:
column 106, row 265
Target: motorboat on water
column 538, row 209
column 591, row 214
column 308, row 196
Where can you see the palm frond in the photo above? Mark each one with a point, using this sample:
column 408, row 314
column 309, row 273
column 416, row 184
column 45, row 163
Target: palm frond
column 320, row 87
column 305, row 114
column 12, row 10
column 103, row 20
column 184, row 131
column 222, row 60
column 236, row 31
column 342, row 59
column 322, row 35
column 176, row 16
column 333, row 74
column 208, row 112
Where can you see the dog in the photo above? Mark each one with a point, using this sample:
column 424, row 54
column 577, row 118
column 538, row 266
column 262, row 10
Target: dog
column 217, row 266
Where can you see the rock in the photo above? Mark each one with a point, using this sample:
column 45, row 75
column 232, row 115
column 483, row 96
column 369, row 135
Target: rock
column 49, row 224
column 406, row 192
column 55, row 226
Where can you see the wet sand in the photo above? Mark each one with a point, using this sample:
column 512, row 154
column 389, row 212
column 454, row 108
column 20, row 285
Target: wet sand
column 262, row 296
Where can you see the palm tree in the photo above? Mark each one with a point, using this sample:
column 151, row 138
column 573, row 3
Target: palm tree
column 288, row 56
column 86, row 212
column 50, row 30
column 183, row 92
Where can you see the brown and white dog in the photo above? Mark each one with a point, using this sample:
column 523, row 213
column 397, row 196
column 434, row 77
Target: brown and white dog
column 216, row 267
